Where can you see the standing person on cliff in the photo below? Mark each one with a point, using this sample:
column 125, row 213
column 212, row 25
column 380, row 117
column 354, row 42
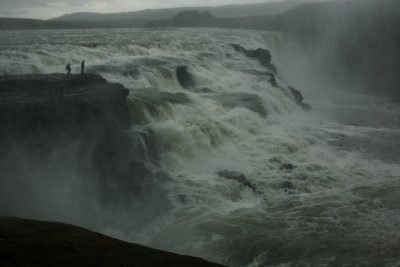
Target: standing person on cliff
column 68, row 68
column 83, row 67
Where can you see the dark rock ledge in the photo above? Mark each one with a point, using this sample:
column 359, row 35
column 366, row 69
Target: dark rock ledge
column 35, row 243
column 54, row 101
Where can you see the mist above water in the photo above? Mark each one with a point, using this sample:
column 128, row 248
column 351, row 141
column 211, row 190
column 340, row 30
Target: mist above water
column 354, row 43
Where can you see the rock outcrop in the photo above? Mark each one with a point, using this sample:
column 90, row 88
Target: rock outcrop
column 35, row 243
column 238, row 177
column 40, row 112
column 298, row 97
column 32, row 104
column 265, row 59
column 287, row 167
column 262, row 55
column 185, row 79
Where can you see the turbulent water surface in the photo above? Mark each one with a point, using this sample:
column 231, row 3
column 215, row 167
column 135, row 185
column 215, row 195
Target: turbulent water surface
column 322, row 187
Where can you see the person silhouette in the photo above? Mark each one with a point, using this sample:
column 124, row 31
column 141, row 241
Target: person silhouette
column 83, row 67
column 68, row 68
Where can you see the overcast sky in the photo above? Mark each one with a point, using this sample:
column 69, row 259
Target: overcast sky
column 44, row 9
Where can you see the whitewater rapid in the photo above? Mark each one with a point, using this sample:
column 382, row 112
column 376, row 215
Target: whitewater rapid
column 322, row 198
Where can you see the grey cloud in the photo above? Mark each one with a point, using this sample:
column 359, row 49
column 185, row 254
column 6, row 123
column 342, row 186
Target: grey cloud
column 36, row 8
column 35, row 3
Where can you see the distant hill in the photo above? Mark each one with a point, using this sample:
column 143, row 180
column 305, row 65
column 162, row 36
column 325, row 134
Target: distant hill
column 190, row 18
column 194, row 18
column 147, row 15
column 229, row 11
column 142, row 18
column 259, row 9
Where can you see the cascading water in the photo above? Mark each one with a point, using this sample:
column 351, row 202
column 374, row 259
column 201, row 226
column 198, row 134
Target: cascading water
column 251, row 179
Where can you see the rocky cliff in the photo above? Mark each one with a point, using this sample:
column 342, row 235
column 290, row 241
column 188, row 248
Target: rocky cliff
column 59, row 104
column 42, row 112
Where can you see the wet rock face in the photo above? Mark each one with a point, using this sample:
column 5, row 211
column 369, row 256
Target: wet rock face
column 298, row 97
column 239, row 177
column 262, row 55
column 287, row 167
column 187, row 81
column 184, row 77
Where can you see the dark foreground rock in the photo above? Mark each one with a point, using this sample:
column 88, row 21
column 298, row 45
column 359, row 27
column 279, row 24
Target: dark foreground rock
column 34, row 243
